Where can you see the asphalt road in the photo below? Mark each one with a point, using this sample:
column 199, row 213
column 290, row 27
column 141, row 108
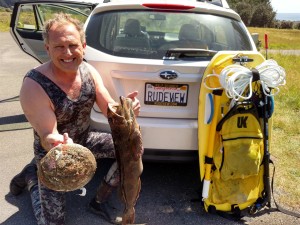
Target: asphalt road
column 167, row 189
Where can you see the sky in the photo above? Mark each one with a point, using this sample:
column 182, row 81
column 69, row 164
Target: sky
column 286, row 6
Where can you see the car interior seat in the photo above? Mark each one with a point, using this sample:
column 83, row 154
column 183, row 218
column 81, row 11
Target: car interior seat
column 132, row 38
column 189, row 37
column 188, row 32
column 133, row 28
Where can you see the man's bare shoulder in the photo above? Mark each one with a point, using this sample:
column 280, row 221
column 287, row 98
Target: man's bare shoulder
column 31, row 88
column 91, row 68
column 30, row 83
column 43, row 68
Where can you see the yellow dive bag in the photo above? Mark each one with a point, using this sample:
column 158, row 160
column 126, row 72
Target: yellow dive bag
column 231, row 134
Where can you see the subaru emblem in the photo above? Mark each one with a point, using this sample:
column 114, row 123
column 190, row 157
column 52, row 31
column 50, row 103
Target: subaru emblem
column 168, row 75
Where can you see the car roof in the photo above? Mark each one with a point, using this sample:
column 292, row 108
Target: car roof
column 203, row 6
column 165, row 5
column 222, row 3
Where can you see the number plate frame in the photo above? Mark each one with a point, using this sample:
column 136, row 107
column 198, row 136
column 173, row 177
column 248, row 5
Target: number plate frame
column 166, row 94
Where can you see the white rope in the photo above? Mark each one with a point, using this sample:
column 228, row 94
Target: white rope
column 271, row 76
column 235, row 79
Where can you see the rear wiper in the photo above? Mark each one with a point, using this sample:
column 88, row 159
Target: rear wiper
column 188, row 53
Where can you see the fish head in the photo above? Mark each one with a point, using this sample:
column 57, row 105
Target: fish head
column 126, row 108
column 120, row 116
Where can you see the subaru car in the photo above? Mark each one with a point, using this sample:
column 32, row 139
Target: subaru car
column 160, row 48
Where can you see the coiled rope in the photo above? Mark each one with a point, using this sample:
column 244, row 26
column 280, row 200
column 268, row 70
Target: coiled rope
column 236, row 79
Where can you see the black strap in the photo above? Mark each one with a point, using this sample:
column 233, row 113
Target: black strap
column 212, row 209
column 234, row 215
column 235, row 209
column 218, row 92
column 209, row 160
column 255, row 75
column 239, row 108
column 285, row 211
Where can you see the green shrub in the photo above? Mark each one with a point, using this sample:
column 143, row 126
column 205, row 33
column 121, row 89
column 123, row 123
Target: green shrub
column 297, row 25
column 286, row 25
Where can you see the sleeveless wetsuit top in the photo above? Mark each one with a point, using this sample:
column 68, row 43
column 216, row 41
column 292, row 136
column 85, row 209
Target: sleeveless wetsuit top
column 73, row 116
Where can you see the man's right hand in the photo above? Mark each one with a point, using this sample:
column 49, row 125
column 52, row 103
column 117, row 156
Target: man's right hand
column 52, row 140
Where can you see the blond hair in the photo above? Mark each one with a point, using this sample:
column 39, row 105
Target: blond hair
column 62, row 19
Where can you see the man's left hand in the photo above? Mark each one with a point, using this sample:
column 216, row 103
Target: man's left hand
column 136, row 106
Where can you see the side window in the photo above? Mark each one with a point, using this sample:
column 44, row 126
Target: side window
column 33, row 16
column 48, row 11
column 26, row 18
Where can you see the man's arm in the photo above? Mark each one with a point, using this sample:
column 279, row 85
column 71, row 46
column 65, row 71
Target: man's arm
column 39, row 111
column 103, row 97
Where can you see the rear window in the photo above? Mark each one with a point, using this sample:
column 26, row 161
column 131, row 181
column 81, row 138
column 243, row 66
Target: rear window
column 148, row 34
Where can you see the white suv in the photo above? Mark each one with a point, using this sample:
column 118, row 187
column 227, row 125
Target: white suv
column 160, row 48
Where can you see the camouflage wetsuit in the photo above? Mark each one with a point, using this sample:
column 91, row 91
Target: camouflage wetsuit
column 72, row 118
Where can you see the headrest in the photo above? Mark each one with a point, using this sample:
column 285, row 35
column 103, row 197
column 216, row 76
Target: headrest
column 188, row 32
column 132, row 27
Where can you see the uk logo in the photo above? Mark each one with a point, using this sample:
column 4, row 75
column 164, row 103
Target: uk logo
column 242, row 122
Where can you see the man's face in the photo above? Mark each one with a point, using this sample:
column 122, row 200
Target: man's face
column 65, row 48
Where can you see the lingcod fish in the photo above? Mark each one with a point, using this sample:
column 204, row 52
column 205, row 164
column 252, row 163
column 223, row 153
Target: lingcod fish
column 127, row 139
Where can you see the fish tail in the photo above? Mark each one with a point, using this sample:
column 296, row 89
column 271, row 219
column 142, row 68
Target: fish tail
column 128, row 216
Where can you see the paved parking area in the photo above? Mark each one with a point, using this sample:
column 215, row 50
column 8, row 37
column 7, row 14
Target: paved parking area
column 167, row 190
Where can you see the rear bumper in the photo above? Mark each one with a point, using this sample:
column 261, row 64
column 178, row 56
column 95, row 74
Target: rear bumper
column 170, row 155
column 163, row 139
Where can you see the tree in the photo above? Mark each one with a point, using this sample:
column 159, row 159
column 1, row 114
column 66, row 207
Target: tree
column 245, row 11
column 257, row 13
column 263, row 16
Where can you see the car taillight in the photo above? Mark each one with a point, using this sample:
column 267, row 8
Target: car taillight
column 168, row 6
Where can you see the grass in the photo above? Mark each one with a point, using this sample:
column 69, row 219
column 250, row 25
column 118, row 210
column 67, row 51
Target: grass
column 279, row 38
column 4, row 20
column 286, row 134
column 286, row 119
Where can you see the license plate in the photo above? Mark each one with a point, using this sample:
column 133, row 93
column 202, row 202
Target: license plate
column 166, row 94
